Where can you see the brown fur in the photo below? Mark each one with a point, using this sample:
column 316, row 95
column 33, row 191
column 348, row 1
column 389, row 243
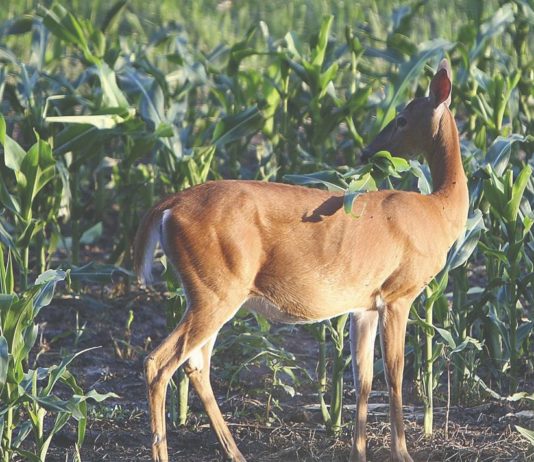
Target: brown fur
column 295, row 255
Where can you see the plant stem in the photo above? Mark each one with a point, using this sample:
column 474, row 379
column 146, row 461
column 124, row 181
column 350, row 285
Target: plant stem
column 321, row 373
column 447, row 411
column 183, row 397
column 26, row 267
column 429, row 376
column 336, row 403
column 8, row 428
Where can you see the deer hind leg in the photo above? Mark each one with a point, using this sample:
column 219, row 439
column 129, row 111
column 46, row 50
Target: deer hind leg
column 199, row 325
column 363, row 327
column 197, row 369
column 393, row 319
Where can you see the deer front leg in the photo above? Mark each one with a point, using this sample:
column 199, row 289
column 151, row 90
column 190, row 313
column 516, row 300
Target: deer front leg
column 363, row 326
column 393, row 319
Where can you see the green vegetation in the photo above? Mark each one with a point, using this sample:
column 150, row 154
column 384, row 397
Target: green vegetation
column 106, row 109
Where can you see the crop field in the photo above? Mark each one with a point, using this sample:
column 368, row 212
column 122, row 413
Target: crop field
column 106, row 107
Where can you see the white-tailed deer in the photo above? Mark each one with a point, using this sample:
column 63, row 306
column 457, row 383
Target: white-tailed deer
column 293, row 255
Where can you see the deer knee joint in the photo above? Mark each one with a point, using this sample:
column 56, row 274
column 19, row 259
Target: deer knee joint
column 151, row 368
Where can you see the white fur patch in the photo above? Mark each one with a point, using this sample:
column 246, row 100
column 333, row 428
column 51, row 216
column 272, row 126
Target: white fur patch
column 163, row 239
column 151, row 243
column 380, row 304
column 274, row 313
column 196, row 360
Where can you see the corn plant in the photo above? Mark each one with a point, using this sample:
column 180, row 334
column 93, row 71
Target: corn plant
column 435, row 302
column 504, row 249
column 32, row 392
column 29, row 172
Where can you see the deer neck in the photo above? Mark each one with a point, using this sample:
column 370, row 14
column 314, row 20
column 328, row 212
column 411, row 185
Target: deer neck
column 448, row 176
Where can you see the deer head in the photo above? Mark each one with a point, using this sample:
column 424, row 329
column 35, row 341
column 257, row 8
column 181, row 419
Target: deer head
column 414, row 130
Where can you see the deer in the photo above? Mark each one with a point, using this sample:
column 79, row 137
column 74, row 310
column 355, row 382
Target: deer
column 294, row 255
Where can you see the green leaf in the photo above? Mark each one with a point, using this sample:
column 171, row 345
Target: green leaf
column 498, row 154
column 91, row 235
column 465, row 343
column 47, row 284
column 523, row 331
column 99, row 273
column 8, row 278
column 37, row 169
column 494, row 26
column 465, row 245
column 527, row 434
column 28, row 455
column 4, row 361
column 495, row 253
column 237, row 126
column 319, row 51
column 325, row 178
column 31, row 229
column 23, row 431
column 80, row 138
column 8, row 200
column 512, row 207
column 408, row 73
column 355, row 189
column 152, row 104
column 56, row 372
column 113, row 14
column 326, row 81
column 101, row 121
column 61, row 419
column 13, row 153
column 28, row 339
column 66, row 27
column 51, row 403
column 422, row 172
column 446, row 335
column 113, row 96
column 389, row 165
column 494, row 192
column 50, row 276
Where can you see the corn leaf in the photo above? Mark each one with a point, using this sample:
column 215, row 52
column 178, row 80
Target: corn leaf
column 464, row 246
column 527, row 434
column 512, row 207
column 13, row 153
column 4, row 361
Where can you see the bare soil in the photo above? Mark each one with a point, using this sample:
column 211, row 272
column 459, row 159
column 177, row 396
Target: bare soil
column 289, row 430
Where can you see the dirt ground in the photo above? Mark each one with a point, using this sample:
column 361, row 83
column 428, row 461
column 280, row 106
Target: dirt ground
column 118, row 429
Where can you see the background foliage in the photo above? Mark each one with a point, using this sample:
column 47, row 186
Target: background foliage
column 105, row 109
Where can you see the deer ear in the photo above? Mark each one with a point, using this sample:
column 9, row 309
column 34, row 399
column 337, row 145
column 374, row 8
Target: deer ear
column 441, row 86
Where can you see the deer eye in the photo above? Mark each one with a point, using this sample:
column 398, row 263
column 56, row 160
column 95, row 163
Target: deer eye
column 401, row 121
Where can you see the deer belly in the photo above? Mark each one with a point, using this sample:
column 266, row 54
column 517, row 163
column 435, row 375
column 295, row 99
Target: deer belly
column 292, row 315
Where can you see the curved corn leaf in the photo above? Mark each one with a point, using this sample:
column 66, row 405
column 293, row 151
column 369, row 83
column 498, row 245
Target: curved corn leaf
column 236, row 126
column 465, row 245
column 527, row 434
column 498, row 154
column 518, row 188
column 4, row 361
column 408, row 73
column 494, row 26
column 13, row 153
column 325, row 178
column 318, row 53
